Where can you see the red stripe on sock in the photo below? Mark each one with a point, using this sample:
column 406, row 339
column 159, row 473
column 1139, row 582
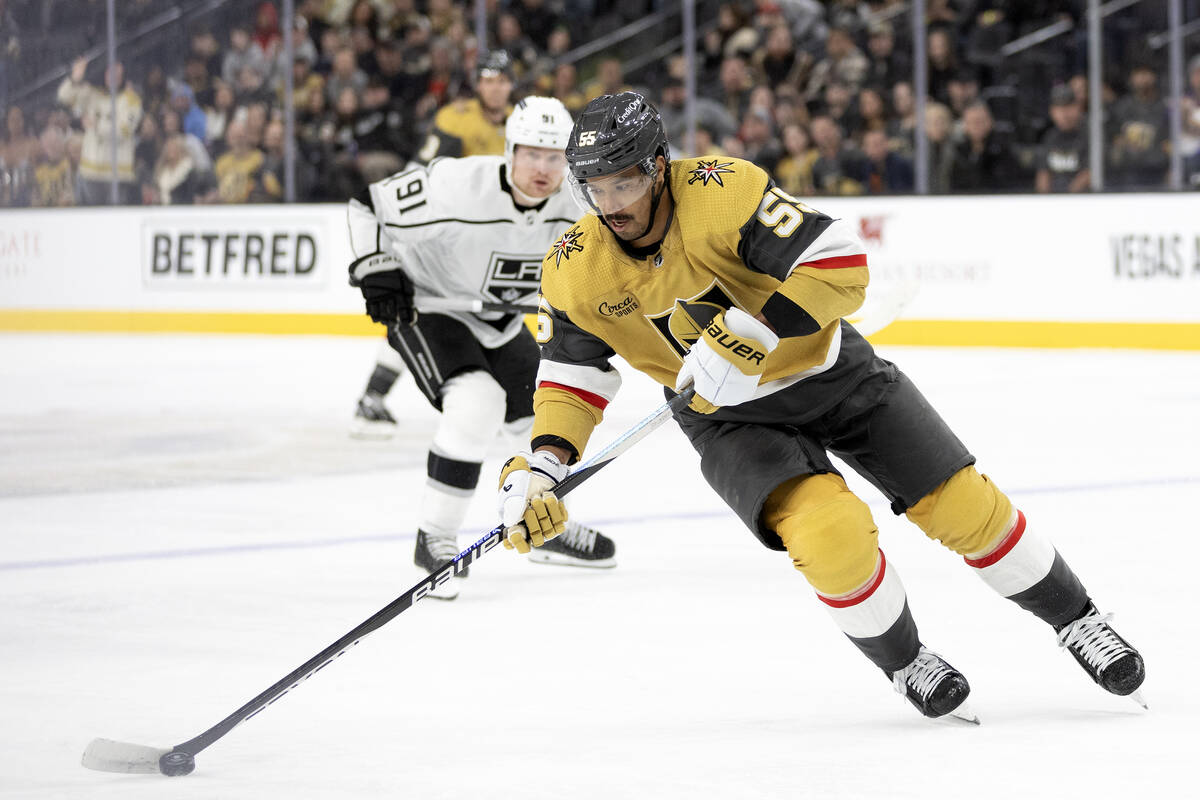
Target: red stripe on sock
column 862, row 594
column 586, row 396
column 1000, row 552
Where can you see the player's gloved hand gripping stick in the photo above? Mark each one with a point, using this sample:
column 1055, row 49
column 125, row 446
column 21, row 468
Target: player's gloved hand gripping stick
column 107, row 755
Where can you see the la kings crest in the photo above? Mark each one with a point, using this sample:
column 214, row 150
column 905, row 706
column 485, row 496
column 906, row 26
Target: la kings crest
column 513, row 278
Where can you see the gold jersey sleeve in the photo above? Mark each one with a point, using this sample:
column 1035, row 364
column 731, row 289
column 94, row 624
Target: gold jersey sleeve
column 735, row 240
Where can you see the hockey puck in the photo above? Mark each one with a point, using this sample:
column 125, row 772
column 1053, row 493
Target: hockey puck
column 176, row 763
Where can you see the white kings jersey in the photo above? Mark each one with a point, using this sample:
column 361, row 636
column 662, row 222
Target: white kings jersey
column 455, row 231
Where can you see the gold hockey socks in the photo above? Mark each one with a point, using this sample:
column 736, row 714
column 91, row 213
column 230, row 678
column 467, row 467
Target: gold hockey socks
column 832, row 539
column 971, row 516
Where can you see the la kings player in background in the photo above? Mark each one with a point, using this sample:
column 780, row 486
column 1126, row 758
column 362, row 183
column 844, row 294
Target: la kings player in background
column 700, row 271
column 465, row 127
column 471, row 228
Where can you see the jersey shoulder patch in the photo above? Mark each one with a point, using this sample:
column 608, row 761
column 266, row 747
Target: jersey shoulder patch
column 713, row 191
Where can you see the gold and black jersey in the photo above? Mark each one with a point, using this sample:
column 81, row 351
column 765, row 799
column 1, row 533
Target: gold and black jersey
column 463, row 129
column 734, row 240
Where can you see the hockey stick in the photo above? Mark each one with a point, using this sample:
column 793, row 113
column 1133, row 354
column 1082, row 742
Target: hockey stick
column 879, row 315
column 432, row 305
column 108, row 755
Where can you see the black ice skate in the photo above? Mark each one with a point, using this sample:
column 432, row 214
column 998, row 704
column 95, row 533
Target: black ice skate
column 934, row 687
column 1111, row 661
column 577, row 546
column 372, row 420
column 432, row 553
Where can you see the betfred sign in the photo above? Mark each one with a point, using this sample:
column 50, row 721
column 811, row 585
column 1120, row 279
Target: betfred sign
column 225, row 252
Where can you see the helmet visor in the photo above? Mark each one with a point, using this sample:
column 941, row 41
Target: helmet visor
column 611, row 193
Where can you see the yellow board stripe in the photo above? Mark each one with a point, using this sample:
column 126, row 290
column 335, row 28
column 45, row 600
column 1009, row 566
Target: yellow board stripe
column 936, row 333
column 1014, row 333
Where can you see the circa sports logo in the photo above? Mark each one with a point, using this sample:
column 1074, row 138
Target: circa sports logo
column 620, row 308
column 569, row 243
column 707, row 171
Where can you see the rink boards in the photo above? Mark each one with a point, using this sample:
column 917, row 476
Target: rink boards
column 1027, row 271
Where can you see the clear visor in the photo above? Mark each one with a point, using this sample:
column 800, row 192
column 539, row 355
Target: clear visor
column 611, row 193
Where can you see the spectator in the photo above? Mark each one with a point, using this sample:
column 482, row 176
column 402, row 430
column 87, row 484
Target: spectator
column 838, row 105
column 267, row 37
column 901, row 127
column 18, row 151
column 886, row 65
column 794, row 172
column 250, row 87
column 759, row 143
column 172, row 125
column 384, row 142
column 734, row 87
column 217, row 116
column 536, row 20
column 145, row 155
column 834, row 168
column 256, row 116
column 176, row 179
column 610, row 79
column 778, row 60
column 565, row 88
column 963, row 90
column 982, row 162
column 239, row 171
column 938, row 128
column 843, row 63
column 92, row 106
column 1191, row 125
column 10, row 49
column 510, row 38
column 155, row 92
column 242, row 52
column 943, row 64
column 883, row 171
column 1062, row 163
column 1139, row 152
column 54, row 177
column 183, row 100
column 872, row 112
column 205, row 48
column 201, row 81
column 344, row 74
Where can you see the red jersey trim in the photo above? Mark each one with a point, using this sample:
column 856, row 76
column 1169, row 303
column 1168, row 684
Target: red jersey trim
column 1010, row 541
column 861, row 594
column 588, row 397
column 837, row 262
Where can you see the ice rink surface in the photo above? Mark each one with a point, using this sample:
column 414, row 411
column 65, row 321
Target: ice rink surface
column 184, row 520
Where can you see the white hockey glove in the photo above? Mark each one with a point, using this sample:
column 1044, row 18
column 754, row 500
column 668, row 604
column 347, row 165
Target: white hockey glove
column 529, row 510
column 727, row 361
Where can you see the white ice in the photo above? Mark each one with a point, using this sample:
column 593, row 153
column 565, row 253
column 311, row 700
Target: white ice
column 183, row 521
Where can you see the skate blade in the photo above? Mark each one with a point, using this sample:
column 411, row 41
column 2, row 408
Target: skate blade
column 559, row 560
column 372, row 431
column 1138, row 698
column 963, row 714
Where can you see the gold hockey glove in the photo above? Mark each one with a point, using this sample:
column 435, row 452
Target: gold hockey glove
column 529, row 510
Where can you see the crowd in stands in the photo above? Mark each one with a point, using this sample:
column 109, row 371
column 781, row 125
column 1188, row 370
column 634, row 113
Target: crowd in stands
column 819, row 93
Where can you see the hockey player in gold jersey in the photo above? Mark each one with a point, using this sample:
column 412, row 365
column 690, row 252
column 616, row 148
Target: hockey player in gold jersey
column 701, row 273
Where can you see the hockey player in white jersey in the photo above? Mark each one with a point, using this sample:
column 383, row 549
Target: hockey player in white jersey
column 473, row 228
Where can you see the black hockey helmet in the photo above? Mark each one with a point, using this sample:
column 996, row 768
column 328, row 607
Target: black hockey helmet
column 615, row 132
column 494, row 62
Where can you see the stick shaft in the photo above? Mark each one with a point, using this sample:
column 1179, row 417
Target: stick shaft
column 432, row 305
column 418, row 592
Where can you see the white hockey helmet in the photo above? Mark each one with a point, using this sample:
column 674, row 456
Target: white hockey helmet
column 537, row 122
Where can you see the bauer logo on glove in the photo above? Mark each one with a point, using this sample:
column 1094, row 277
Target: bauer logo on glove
column 529, row 510
column 727, row 361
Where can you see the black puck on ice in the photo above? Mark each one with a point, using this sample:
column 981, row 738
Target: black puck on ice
column 176, row 763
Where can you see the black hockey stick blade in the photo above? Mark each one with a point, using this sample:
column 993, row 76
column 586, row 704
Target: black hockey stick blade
column 108, row 755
